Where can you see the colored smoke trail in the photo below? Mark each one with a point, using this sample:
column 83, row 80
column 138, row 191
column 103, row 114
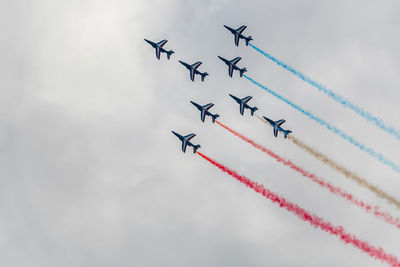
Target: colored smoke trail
column 347, row 173
column 314, row 220
column 341, row 169
column 333, row 189
column 369, row 117
column 333, row 129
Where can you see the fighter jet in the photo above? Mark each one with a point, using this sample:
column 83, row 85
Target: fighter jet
column 193, row 70
column 186, row 141
column 243, row 104
column 277, row 127
column 204, row 111
column 159, row 48
column 238, row 34
column 232, row 65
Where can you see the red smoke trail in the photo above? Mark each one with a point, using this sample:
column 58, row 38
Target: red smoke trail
column 335, row 190
column 314, row 220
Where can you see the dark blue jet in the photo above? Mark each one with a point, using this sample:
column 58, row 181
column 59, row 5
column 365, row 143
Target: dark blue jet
column 159, row 48
column 243, row 104
column 232, row 65
column 204, row 111
column 193, row 70
column 277, row 127
column 186, row 141
column 238, row 34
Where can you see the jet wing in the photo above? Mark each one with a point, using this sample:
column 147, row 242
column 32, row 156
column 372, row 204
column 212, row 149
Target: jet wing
column 230, row 70
column 241, row 108
column 158, row 50
column 196, row 65
column 203, row 115
column 241, row 29
column 246, row 99
column 208, row 106
column 235, row 60
column 276, row 131
column 162, row 43
column 236, row 39
column 189, row 136
column 192, row 73
column 184, row 145
column 280, row 122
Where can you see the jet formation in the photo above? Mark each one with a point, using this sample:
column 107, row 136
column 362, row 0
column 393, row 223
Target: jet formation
column 159, row 48
column 193, row 70
column 204, row 109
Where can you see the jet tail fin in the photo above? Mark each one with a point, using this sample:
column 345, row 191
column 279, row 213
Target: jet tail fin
column 252, row 110
column 242, row 71
column 214, row 117
column 285, row 133
column 195, row 147
column 248, row 39
column 169, row 53
column 203, row 75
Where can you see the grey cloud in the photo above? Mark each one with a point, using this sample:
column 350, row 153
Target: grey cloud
column 92, row 176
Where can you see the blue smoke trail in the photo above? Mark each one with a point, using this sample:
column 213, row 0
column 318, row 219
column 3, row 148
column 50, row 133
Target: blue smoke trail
column 378, row 122
column 333, row 129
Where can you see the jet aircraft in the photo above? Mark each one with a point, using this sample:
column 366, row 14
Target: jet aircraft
column 193, row 70
column 159, row 48
column 238, row 34
column 243, row 104
column 186, row 141
column 277, row 127
column 204, row 111
column 232, row 65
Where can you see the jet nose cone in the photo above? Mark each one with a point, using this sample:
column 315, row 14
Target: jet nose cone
column 192, row 102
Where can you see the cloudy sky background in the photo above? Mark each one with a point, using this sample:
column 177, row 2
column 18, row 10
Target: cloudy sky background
column 92, row 176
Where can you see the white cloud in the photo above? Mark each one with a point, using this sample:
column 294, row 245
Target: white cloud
column 92, row 176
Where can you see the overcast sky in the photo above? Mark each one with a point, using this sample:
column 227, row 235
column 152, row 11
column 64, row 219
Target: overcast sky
column 90, row 174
